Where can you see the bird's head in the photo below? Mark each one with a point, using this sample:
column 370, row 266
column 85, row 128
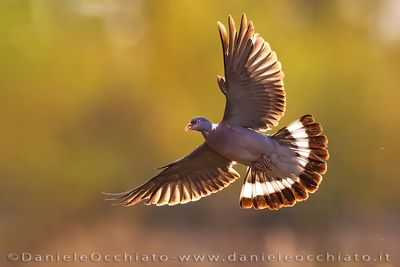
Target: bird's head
column 200, row 124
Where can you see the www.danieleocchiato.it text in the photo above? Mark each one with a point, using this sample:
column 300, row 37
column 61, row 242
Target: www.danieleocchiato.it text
column 231, row 257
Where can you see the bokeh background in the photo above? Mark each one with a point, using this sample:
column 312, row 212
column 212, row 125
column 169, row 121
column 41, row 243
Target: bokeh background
column 94, row 96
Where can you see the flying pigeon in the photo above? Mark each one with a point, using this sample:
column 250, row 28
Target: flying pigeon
column 282, row 168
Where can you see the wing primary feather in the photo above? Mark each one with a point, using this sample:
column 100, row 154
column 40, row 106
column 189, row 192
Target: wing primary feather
column 223, row 36
column 232, row 37
column 242, row 32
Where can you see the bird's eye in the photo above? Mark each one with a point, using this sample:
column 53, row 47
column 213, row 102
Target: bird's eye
column 197, row 121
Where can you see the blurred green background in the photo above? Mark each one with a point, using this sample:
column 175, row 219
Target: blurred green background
column 94, row 96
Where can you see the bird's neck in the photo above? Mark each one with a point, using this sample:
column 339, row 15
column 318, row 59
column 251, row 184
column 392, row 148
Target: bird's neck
column 207, row 133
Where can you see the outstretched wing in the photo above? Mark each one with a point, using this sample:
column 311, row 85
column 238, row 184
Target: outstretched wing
column 253, row 86
column 197, row 175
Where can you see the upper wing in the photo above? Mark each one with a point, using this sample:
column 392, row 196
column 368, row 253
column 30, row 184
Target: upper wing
column 199, row 174
column 253, row 86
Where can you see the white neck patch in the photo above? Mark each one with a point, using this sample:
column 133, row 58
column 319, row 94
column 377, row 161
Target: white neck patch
column 214, row 126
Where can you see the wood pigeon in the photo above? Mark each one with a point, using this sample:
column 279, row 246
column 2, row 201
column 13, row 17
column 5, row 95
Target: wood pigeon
column 282, row 168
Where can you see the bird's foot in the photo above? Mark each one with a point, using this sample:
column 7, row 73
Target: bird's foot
column 263, row 163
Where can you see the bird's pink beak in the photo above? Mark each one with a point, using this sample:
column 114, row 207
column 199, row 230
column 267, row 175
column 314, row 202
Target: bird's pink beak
column 188, row 127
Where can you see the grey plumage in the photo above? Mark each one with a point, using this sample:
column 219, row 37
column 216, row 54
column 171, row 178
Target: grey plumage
column 282, row 168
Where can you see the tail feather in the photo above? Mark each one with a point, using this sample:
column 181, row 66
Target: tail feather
column 264, row 189
column 246, row 193
column 258, row 191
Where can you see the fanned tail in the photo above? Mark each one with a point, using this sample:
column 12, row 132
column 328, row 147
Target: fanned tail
column 265, row 189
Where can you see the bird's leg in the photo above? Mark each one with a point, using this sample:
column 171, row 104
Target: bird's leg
column 263, row 163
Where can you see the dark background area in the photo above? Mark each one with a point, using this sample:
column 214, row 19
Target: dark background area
column 94, row 96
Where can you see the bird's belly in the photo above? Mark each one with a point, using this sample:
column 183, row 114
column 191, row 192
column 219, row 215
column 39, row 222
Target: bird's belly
column 241, row 155
column 243, row 146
